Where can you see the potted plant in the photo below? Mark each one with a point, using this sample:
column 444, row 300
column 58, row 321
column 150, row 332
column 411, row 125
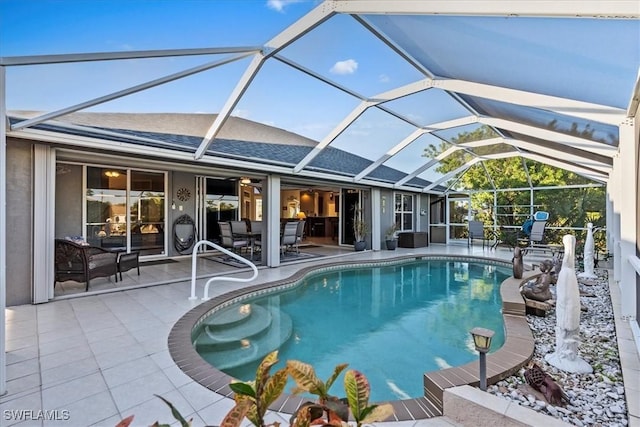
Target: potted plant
column 360, row 230
column 390, row 237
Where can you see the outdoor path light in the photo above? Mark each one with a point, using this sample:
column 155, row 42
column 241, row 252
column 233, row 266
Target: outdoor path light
column 482, row 340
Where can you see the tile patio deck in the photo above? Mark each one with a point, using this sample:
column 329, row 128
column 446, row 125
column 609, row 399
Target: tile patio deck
column 102, row 356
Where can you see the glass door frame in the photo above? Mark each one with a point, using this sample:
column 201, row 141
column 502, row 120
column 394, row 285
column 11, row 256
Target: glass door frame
column 128, row 198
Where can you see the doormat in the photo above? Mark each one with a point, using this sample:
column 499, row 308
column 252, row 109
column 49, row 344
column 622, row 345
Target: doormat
column 288, row 256
column 227, row 260
column 293, row 256
column 158, row 262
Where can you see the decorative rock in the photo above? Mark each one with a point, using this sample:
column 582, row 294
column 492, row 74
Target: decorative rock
column 590, row 394
column 617, row 409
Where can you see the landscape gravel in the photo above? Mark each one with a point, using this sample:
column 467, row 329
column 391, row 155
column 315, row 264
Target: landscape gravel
column 597, row 399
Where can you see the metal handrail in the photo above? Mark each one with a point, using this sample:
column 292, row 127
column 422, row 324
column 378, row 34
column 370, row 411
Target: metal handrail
column 194, row 259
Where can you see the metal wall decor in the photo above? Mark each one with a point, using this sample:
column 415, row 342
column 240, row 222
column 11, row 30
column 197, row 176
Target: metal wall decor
column 183, row 194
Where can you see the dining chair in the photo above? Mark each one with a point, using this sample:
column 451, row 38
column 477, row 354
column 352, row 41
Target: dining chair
column 238, row 227
column 227, row 239
column 289, row 236
column 299, row 234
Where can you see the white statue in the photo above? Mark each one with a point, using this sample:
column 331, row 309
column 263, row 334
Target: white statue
column 589, row 247
column 565, row 356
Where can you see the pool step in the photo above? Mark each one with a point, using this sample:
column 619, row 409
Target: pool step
column 221, row 332
column 268, row 329
column 230, row 316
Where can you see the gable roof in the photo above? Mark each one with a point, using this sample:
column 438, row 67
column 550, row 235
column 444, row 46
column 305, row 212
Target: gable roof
column 264, row 151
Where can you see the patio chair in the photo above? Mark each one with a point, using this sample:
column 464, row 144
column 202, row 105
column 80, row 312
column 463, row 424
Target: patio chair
column 299, row 234
column 229, row 241
column 81, row 263
column 289, row 237
column 530, row 233
column 476, row 231
column 256, row 226
column 536, row 234
column 536, row 240
column 238, row 227
column 256, row 230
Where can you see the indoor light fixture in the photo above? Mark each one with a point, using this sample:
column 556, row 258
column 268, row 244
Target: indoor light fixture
column 245, row 181
column 112, row 174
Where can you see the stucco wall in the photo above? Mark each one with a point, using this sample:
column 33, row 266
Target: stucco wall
column 69, row 201
column 179, row 180
column 423, row 212
column 19, row 222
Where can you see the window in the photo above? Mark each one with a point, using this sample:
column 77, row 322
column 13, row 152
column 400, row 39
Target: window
column 125, row 210
column 106, row 224
column 404, row 211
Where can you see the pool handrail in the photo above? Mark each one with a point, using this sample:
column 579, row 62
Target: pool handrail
column 194, row 260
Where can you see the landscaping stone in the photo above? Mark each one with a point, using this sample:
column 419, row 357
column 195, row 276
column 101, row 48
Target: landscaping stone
column 597, row 399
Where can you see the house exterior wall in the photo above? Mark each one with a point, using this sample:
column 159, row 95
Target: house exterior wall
column 422, row 212
column 177, row 181
column 387, row 217
column 69, row 202
column 19, row 221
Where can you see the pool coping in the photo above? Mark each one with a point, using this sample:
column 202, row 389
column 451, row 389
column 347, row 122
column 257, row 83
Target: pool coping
column 515, row 353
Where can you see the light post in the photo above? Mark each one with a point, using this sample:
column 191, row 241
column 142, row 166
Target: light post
column 482, row 341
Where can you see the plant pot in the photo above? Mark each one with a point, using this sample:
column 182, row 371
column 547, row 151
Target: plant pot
column 360, row 245
column 392, row 244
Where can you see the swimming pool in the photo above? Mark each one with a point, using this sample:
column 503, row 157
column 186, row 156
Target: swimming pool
column 393, row 322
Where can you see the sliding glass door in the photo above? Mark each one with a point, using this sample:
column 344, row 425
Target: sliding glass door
column 125, row 210
column 218, row 200
column 146, row 212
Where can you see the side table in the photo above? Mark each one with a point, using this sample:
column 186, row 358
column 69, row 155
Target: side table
column 127, row 261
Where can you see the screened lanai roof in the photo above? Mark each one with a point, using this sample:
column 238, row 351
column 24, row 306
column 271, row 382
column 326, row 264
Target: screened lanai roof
column 548, row 82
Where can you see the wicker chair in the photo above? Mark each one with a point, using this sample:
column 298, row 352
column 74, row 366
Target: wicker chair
column 81, row 263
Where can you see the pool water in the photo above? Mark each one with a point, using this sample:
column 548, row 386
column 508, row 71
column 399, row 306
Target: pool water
column 393, row 323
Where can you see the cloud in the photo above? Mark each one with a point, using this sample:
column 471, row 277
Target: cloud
column 279, row 5
column 383, row 78
column 344, row 67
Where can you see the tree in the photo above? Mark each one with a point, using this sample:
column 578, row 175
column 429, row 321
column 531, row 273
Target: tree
column 568, row 207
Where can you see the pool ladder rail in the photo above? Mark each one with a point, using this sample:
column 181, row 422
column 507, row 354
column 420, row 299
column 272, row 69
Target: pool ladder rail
column 194, row 262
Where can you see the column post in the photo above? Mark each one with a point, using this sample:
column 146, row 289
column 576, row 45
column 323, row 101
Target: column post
column 272, row 221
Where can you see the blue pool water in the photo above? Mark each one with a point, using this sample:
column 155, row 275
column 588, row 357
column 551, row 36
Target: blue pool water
column 393, row 323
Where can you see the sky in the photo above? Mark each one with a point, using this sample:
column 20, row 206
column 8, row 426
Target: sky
column 117, row 25
column 544, row 56
column 279, row 96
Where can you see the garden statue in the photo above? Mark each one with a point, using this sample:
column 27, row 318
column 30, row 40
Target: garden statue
column 518, row 267
column 541, row 381
column 557, row 266
column 538, row 289
column 565, row 357
column 588, row 256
